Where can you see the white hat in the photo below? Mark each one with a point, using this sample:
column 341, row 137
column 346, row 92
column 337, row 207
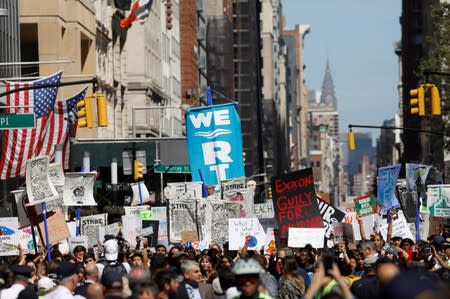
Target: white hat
column 45, row 284
column 111, row 250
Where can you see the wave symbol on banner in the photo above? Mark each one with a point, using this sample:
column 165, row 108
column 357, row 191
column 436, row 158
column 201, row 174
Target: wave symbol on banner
column 213, row 134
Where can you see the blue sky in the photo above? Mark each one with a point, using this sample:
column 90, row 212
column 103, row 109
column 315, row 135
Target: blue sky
column 359, row 37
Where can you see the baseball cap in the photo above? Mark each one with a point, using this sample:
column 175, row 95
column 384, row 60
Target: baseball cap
column 392, row 249
column 112, row 280
column 45, row 284
column 66, row 269
column 19, row 270
column 111, row 249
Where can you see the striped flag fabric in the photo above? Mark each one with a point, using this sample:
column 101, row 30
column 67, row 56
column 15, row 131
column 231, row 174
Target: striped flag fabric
column 19, row 145
column 57, row 130
column 139, row 11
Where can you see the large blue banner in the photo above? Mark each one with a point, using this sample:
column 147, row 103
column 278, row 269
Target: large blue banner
column 214, row 143
column 387, row 181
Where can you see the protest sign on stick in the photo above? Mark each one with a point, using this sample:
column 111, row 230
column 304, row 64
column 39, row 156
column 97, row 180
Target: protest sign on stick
column 79, row 189
column 295, row 201
column 39, row 187
column 90, row 227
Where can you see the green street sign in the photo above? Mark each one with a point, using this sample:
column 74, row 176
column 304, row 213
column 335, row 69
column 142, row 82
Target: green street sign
column 17, row 121
column 175, row 168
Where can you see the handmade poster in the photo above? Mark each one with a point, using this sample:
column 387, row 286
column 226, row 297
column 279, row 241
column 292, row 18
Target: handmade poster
column 131, row 228
column 75, row 241
column 79, row 189
column 301, row 236
column 26, row 240
column 438, row 197
column 368, row 222
column 387, row 182
column 217, row 214
column 150, row 231
column 160, row 214
column 416, row 176
column 365, row 205
column 400, row 228
column 330, row 215
column 57, row 228
column 437, row 225
column 110, row 229
column 136, row 210
column 56, row 174
column 234, row 184
column 90, row 225
column 39, row 187
column 183, row 216
column 408, row 200
column 245, row 199
column 214, row 141
column 20, row 199
column 9, row 236
column 343, row 232
column 239, row 228
column 264, row 210
column 147, row 197
column 295, row 201
column 57, row 203
column 146, row 214
column 183, row 190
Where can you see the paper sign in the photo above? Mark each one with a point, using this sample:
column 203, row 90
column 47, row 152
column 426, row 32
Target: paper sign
column 146, row 214
column 239, row 228
column 301, row 236
column 75, row 241
column 439, row 200
column 400, row 228
column 264, row 210
column 9, row 236
column 365, row 205
column 189, row 236
column 26, row 240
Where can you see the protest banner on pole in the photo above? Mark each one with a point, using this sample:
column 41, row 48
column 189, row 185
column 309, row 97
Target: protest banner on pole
column 183, row 216
column 147, row 197
column 9, row 236
column 39, row 187
column 386, row 188
column 90, row 225
column 301, row 236
column 239, row 228
column 295, row 201
column 79, row 189
column 57, row 227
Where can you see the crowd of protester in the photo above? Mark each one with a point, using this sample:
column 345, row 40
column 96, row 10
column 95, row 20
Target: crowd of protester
column 374, row 268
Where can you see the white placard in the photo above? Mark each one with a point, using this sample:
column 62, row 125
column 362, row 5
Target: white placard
column 300, row 236
column 400, row 228
column 9, row 237
column 238, row 228
column 79, row 189
column 75, row 241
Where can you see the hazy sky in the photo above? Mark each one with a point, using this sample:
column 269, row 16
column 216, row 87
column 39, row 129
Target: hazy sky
column 359, row 37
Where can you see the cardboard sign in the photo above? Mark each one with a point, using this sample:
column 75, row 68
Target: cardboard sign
column 239, row 228
column 295, row 201
column 365, row 205
column 57, row 228
column 189, row 236
column 301, row 236
column 330, row 215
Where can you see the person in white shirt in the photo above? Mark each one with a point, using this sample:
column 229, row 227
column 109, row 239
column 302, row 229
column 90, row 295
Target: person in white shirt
column 68, row 281
column 22, row 274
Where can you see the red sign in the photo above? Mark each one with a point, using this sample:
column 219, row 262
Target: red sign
column 295, row 201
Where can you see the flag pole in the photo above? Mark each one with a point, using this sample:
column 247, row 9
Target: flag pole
column 44, row 213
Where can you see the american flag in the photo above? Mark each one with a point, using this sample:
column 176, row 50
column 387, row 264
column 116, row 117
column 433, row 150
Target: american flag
column 57, row 130
column 19, row 145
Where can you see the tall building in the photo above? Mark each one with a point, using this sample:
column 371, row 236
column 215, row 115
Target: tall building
column 9, row 39
column 355, row 158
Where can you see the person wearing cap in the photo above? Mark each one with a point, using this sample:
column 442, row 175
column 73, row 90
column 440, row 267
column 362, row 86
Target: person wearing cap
column 113, row 284
column 22, row 274
column 391, row 253
column 180, row 258
column 45, row 285
column 67, row 281
column 111, row 253
column 191, row 287
column 247, row 272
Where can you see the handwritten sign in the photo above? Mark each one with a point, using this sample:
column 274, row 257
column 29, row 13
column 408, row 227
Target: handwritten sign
column 365, row 205
column 301, row 236
column 264, row 210
column 295, row 201
column 239, row 228
column 75, row 241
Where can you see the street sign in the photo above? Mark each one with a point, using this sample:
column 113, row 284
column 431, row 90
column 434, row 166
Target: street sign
column 17, row 121
column 175, row 168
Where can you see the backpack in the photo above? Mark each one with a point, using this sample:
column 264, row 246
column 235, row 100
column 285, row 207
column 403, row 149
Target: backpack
column 116, row 267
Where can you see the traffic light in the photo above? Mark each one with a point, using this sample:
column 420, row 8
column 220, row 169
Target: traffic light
column 84, row 113
column 244, row 155
column 102, row 110
column 417, row 101
column 169, row 17
column 435, row 100
column 351, row 140
column 138, row 170
column 269, row 193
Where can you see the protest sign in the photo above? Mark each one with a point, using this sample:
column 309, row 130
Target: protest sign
column 264, row 210
column 234, row 184
column 75, row 241
column 438, row 200
column 189, row 236
column 57, row 227
column 160, row 214
column 9, row 236
column 239, row 228
column 243, row 196
column 183, row 190
column 365, row 205
column 368, row 222
column 39, row 187
column 79, row 189
column 56, row 174
column 90, row 226
column 26, row 240
column 330, row 215
column 110, row 229
column 295, row 201
column 216, row 219
column 183, row 216
column 400, row 228
column 145, row 214
column 408, row 200
column 136, row 210
column 150, row 231
column 144, row 196
column 437, row 225
column 343, row 232
column 22, row 213
column 301, row 236
column 131, row 228
column 387, row 182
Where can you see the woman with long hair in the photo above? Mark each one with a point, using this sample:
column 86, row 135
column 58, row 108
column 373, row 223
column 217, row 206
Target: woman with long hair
column 293, row 285
column 207, row 269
